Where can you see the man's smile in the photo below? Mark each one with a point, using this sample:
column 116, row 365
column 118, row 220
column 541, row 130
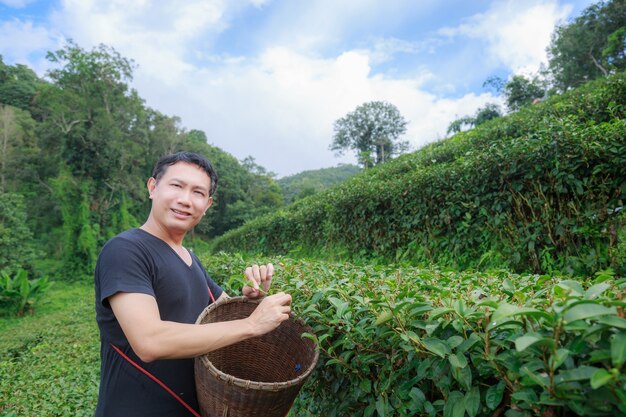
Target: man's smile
column 181, row 213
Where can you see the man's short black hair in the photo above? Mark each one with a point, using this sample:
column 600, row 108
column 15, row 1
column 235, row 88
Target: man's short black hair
column 189, row 157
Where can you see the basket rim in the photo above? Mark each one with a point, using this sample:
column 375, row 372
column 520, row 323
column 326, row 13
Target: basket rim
column 245, row 383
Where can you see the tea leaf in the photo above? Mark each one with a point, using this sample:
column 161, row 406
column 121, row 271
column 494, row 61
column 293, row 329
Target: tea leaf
column 600, row 378
column 384, row 317
column 618, row 349
column 436, row 346
column 594, row 291
column 537, row 379
column 578, row 374
column 494, row 395
column 613, row 321
column 455, row 406
column 569, row 287
column 366, row 385
column 558, row 358
column 521, row 343
column 472, row 401
column 457, row 360
column 586, row 311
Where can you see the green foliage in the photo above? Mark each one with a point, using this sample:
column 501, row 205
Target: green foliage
column 458, row 125
column 82, row 147
column 521, row 92
column 244, row 191
column 80, row 234
column 16, row 249
column 484, row 114
column 373, row 127
column 591, row 46
column 50, row 362
column 17, row 145
column 426, row 342
column 18, row 85
column 488, row 112
column 533, row 191
column 310, row 182
column 19, row 295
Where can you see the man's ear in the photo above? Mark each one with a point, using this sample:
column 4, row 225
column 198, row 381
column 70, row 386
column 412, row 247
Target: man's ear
column 208, row 205
column 151, row 186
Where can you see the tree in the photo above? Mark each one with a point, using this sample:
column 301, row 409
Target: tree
column 18, row 85
column 16, row 249
column 482, row 115
column 17, row 147
column 486, row 113
column 520, row 91
column 589, row 47
column 459, row 124
column 372, row 128
column 95, row 136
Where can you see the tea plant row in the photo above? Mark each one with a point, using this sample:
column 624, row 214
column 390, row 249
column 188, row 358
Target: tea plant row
column 407, row 341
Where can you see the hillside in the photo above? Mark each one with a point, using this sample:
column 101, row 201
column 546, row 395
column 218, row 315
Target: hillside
column 313, row 181
column 539, row 190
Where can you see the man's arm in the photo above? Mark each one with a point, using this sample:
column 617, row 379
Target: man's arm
column 152, row 338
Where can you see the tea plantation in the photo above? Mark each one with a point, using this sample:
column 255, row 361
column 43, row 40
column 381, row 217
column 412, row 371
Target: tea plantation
column 394, row 341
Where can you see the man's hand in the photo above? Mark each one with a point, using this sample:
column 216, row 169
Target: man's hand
column 258, row 280
column 270, row 312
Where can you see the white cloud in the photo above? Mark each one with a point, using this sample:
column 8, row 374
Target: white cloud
column 517, row 33
column 20, row 40
column 280, row 107
column 278, row 104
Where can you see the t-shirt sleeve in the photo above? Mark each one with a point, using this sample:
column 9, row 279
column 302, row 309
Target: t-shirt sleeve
column 215, row 289
column 123, row 267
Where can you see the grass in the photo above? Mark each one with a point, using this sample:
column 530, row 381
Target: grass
column 49, row 362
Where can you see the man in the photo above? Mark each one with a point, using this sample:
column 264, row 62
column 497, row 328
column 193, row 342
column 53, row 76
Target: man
column 150, row 290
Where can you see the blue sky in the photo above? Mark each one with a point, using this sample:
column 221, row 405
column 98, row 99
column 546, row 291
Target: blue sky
column 268, row 78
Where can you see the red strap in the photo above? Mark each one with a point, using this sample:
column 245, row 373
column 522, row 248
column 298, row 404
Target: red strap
column 157, row 380
column 211, row 295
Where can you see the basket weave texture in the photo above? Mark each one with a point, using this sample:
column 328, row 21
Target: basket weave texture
column 258, row 377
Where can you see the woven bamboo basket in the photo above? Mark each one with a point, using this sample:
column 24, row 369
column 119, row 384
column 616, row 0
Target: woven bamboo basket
column 258, row 377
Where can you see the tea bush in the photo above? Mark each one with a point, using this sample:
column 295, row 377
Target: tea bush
column 539, row 190
column 404, row 341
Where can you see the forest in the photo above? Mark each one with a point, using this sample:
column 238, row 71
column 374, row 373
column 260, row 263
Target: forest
column 483, row 274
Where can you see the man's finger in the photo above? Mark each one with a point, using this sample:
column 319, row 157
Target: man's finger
column 263, row 272
column 250, row 279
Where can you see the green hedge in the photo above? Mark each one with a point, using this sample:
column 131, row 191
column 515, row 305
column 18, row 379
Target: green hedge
column 540, row 190
column 429, row 342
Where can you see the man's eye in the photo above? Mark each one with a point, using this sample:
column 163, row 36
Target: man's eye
column 200, row 193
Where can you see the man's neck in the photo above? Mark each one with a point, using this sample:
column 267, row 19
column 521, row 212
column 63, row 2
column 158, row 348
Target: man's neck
column 173, row 239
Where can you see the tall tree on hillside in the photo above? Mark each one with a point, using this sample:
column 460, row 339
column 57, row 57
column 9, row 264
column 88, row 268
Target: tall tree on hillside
column 521, row 91
column 591, row 46
column 373, row 128
column 94, row 136
column 483, row 114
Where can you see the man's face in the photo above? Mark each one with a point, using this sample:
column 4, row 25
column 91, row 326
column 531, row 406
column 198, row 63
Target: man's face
column 180, row 197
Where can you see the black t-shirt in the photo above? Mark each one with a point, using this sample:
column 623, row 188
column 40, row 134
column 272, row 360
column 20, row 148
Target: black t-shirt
column 137, row 262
